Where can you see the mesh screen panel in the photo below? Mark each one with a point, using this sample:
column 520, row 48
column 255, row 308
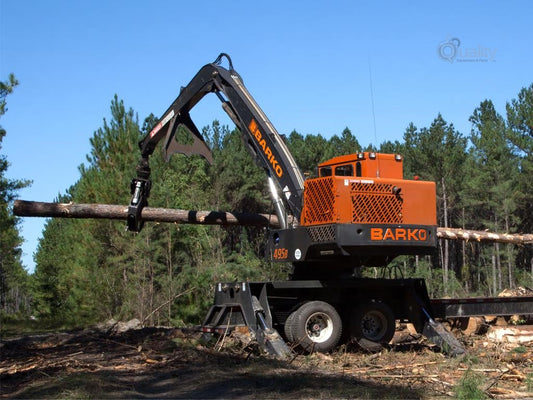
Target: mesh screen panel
column 321, row 233
column 367, row 203
column 319, row 201
column 375, row 203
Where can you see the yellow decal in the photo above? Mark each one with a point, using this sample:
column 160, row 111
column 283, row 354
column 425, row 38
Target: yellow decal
column 254, row 129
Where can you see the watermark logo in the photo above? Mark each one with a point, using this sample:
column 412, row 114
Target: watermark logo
column 447, row 50
column 451, row 50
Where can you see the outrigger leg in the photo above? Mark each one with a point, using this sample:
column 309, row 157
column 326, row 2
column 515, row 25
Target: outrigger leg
column 236, row 305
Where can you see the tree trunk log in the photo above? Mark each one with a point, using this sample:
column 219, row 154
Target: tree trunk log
column 24, row 208
column 484, row 236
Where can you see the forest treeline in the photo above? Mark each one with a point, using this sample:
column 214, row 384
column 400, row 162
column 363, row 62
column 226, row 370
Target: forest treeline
column 93, row 270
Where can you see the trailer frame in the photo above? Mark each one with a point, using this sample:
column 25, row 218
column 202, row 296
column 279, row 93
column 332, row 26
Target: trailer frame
column 367, row 310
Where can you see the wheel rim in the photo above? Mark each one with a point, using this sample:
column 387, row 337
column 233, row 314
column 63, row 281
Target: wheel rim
column 319, row 327
column 374, row 325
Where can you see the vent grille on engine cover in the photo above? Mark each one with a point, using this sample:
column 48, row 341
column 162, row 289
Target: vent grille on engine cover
column 319, row 201
column 375, row 203
column 321, row 233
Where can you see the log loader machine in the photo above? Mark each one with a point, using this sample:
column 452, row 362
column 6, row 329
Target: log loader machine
column 359, row 211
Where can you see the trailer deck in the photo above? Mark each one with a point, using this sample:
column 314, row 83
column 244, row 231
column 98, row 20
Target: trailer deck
column 482, row 306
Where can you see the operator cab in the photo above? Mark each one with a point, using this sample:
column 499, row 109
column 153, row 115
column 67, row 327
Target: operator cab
column 364, row 164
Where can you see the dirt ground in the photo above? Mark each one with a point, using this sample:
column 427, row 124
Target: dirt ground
column 176, row 363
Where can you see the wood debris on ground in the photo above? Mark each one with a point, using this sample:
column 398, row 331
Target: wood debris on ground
column 410, row 368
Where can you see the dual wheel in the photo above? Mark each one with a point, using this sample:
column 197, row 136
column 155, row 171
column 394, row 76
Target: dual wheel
column 317, row 326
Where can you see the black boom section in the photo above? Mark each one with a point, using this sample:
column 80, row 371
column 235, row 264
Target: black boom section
column 259, row 135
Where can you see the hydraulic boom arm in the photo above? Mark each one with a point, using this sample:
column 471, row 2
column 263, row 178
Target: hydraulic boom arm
column 261, row 139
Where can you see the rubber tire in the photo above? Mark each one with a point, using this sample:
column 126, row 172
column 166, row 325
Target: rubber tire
column 288, row 327
column 320, row 315
column 382, row 319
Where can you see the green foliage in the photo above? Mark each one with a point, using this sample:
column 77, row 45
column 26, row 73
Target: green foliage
column 308, row 151
column 529, row 381
column 14, row 280
column 520, row 350
column 469, row 387
column 438, row 154
column 5, row 89
column 345, row 144
column 239, row 184
column 520, row 134
column 489, row 195
column 491, row 161
column 93, row 270
column 82, row 267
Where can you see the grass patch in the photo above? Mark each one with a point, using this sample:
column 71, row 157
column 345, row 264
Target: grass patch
column 529, row 382
column 520, row 350
column 471, row 359
column 11, row 328
column 469, row 387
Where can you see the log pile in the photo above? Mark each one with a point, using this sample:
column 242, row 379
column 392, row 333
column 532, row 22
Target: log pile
column 24, row 208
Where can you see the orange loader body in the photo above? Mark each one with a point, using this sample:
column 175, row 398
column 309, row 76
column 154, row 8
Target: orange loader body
column 367, row 188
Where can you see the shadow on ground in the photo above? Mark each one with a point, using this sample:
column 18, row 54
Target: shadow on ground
column 204, row 375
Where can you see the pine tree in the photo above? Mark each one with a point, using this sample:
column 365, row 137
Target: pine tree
column 81, row 266
column 342, row 145
column 490, row 179
column 14, row 289
column 438, row 153
column 520, row 133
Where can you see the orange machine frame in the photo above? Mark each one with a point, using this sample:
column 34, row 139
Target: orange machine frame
column 367, row 188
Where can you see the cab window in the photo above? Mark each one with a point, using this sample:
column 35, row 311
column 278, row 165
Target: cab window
column 325, row 171
column 358, row 169
column 344, row 170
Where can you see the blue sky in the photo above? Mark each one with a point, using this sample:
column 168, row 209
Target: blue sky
column 308, row 64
